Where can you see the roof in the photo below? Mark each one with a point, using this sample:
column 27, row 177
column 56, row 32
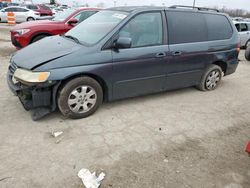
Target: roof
column 176, row 8
column 135, row 8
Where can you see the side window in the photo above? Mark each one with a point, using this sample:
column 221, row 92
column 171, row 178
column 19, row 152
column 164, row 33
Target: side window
column 237, row 27
column 243, row 27
column 186, row 27
column 21, row 10
column 9, row 10
column 86, row 14
column 144, row 30
column 219, row 28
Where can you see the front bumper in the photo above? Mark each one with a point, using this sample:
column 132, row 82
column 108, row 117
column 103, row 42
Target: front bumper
column 19, row 41
column 37, row 98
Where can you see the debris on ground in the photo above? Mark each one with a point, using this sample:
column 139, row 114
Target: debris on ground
column 56, row 134
column 90, row 180
column 165, row 160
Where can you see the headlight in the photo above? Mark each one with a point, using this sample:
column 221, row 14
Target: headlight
column 31, row 77
column 21, row 31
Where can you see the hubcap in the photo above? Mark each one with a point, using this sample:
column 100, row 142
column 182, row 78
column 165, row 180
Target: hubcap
column 213, row 79
column 82, row 99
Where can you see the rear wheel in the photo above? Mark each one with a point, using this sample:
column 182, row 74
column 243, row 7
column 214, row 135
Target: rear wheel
column 30, row 19
column 80, row 97
column 211, row 78
column 39, row 37
column 247, row 53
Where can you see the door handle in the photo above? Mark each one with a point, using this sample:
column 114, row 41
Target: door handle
column 161, row 54
column 177, row 53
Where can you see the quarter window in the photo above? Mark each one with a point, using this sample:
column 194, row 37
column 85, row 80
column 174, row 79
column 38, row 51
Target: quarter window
column 218, row 26
column 144, row 30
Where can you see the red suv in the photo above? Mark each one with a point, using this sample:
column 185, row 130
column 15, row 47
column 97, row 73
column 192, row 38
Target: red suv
column 26, row 33
column 42, row 9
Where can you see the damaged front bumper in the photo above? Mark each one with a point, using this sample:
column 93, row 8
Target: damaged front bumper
column 40, row 99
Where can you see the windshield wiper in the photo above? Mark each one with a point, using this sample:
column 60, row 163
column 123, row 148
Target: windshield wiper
column 73, row 38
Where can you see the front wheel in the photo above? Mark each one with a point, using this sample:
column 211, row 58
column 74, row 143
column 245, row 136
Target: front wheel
column 80, row 97
column 211, row 78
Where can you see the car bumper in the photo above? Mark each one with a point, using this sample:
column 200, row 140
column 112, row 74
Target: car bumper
column 35, row 97
column 19, row 41
column 232, row 67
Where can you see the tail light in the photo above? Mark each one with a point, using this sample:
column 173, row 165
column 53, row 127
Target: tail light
column 238, row 47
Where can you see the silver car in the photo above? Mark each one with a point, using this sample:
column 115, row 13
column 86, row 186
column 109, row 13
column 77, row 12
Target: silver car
column 21, row 14
column 243, row 28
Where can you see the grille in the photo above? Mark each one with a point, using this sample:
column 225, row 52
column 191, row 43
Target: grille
column 12, row 68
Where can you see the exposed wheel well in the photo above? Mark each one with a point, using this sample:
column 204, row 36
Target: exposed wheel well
column 222, row 65
column 45, row 34
column 95, row 77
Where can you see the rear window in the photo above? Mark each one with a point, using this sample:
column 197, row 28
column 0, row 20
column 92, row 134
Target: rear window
column 219, row 27
column 188, row 27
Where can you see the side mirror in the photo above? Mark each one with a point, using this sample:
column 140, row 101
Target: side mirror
column 123, row 42
column 72, row 21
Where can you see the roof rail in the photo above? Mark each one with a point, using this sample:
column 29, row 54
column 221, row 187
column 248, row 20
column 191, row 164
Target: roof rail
column 197, row 8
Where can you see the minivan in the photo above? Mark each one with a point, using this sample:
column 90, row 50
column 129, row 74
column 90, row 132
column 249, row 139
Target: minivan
column 124, row 52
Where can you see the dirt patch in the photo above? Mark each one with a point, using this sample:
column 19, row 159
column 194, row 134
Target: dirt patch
column 216, row 161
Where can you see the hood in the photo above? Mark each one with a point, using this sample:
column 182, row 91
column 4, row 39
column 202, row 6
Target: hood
column 44, row 51
column 26, row 25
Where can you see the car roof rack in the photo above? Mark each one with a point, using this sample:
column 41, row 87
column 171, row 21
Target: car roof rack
column 197, row 8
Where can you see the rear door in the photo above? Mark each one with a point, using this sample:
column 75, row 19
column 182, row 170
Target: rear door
column 141, row 69
column 187, row 33
column 195, row 40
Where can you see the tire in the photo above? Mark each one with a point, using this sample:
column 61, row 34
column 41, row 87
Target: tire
column 80, row 97
column 212, row 75
column 39, row 37
column 30, row 19
column 247, row 53
column 247, row 44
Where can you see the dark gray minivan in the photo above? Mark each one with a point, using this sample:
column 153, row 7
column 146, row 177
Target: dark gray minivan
column 124, row 52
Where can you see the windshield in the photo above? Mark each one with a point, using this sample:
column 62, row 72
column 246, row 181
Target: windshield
column 93, row 29
column 63, row 15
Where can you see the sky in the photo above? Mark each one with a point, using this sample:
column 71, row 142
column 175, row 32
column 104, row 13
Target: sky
column 241, row 4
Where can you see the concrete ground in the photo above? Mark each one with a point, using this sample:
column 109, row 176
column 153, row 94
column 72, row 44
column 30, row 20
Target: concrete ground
column 183, row 138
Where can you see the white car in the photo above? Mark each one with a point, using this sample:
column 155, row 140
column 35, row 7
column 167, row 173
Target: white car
column 21, row 14
column 243, row 28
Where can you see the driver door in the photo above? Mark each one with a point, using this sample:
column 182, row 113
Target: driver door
column 141, row 69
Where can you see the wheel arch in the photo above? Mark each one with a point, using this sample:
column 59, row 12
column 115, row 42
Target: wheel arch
column 222, row 65
column 100, row 80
